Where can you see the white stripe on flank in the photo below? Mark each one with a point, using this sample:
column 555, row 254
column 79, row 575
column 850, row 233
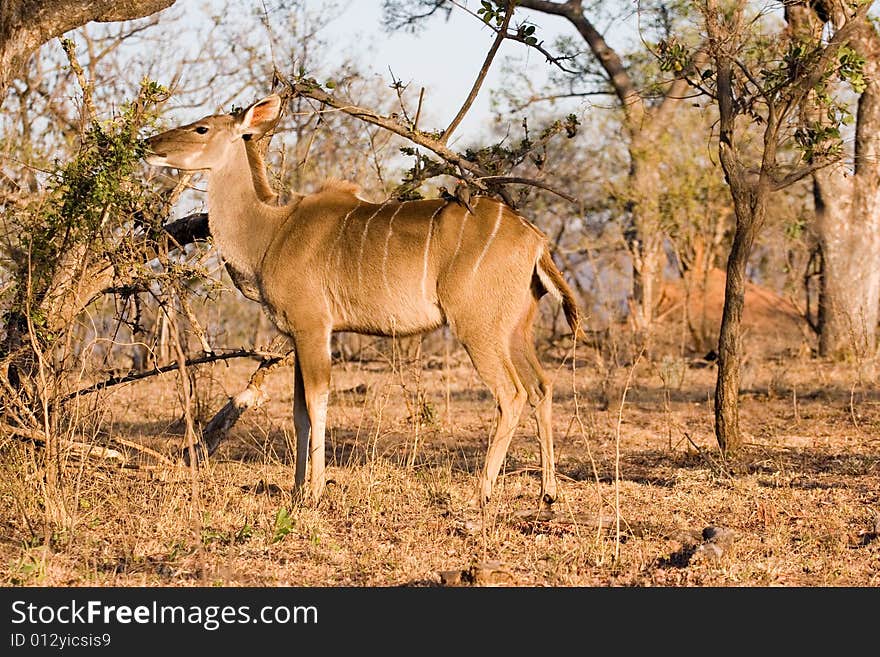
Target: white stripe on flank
column 491, row 237
column 364, row 239
column 342, row 228
column 387, row 241
column 427, row 250
column 464, row 218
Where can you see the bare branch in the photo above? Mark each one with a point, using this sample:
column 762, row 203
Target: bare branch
column 311, row 90
column 516, row 180
column 501, row 34
column 618, row 76
column 77, row 447
column 417, row 137
column 69, row 48
column 396, row 17
column 799, row 174
column 137, row 376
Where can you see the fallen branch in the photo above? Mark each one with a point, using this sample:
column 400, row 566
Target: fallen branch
column 164, row 460
column 223, row 421
column 81, row 449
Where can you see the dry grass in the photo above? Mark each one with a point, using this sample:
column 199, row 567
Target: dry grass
column 803, row 500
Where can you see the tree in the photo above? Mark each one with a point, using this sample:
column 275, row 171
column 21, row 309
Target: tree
column 765, row 80
column 847, row 197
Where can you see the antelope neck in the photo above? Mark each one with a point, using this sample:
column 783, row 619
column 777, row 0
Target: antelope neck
column 241, row 224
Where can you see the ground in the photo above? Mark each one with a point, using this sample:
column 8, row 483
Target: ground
column 640, row 478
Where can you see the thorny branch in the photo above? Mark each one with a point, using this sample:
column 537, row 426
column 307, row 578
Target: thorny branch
column 311, row 89
column 136, row 376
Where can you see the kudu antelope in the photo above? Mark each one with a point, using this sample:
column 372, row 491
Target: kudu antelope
column 331, row 261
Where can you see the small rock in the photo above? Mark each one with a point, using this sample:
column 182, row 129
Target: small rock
column 720, row 536
column 467, row 527
column 488, row 572
column 686, row 537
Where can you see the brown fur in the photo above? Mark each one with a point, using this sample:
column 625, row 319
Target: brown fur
column 337, row 185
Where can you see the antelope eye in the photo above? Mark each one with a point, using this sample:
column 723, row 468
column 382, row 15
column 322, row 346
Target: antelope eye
column 202, row 130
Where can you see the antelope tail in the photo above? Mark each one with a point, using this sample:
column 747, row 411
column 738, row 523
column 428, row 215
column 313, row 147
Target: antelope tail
column 552, row 281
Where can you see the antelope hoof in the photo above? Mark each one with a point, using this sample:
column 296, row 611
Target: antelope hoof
column 545, row 508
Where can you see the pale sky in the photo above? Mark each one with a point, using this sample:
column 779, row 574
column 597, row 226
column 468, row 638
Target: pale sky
column 444, row 57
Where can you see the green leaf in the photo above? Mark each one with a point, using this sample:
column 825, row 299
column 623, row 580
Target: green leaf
column 283, row 525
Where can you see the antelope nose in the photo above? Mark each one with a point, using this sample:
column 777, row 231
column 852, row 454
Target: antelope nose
column 151, row 145
column 154, row 145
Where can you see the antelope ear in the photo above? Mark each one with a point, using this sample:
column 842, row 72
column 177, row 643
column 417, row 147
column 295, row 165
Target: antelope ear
column 260, row 117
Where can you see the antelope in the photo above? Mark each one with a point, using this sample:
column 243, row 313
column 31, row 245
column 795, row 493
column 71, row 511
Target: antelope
column 331, row 261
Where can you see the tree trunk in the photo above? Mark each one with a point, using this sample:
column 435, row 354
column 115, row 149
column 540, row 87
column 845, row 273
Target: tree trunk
column 643, row 234
column 750, row 206
column 848, row 224
column 25, row 25
column 846, row 202
column 647, row 256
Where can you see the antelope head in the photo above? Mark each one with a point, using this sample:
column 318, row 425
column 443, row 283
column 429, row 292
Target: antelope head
column 211, row 142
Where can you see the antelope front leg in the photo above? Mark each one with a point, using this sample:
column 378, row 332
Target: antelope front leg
column 313, row 372
column 499, row 374
column 303, row 427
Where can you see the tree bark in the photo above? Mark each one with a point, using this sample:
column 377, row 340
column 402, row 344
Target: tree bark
column 749, row 194
column 750, row 205
column 847, row 211
column 848, row 224
column 25, row 25
column 643, row 233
